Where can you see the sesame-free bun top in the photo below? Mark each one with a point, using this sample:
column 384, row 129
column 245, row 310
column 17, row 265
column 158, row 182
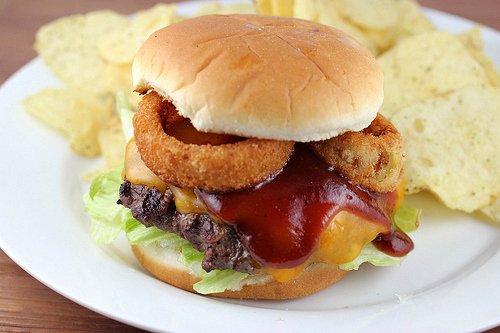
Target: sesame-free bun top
column 259, row 76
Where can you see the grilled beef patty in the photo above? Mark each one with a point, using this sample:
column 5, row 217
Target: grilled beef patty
column 219, row 242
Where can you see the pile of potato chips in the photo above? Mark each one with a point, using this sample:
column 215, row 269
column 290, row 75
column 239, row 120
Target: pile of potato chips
column 441, row 90
column 92, row 55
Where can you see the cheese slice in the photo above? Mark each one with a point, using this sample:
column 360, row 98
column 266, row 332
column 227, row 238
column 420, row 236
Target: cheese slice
column 345, row 237
column 341, row 242
column 186, row 201
column 137, row 172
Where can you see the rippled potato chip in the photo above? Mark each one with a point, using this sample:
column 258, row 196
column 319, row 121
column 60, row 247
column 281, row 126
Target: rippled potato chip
column 118, row 77
column 78, row 115
column 275, row 7
column 326, row 12
column 411, row 21
column 426, row 65
column 493, row 210
column 452, row 147
column 112, row 142
column 52, row 106
column 371, row 14
column 154, row 18
column 119, row 47
column 473, row 41
column 68, row 47
column 377, row 24
column 214, row 7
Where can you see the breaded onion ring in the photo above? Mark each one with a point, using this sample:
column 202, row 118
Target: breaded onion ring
column 209, row 167
column 372, row 158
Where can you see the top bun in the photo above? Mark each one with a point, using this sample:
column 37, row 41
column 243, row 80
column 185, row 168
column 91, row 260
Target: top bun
column 265, row 77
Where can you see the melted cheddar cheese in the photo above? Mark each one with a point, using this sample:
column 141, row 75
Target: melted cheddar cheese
column 137, row 172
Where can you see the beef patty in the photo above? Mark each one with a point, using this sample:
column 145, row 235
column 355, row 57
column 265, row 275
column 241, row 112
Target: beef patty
column 218, row 241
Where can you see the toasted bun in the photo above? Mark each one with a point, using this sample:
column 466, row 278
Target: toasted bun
column 266, row 77
column 165, row 265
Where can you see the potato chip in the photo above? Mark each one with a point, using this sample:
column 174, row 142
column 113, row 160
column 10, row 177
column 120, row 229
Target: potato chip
column 382, row 40
column 452, row 144
column 473, row 41
column 412, row 21
column 77, row 114
column 52, row 106
column 118, row 77
column 326, row 12
column 263, row 7
column 424, row 66
column 377, row 24
column 120, row 47
column 112, row 142
column 275, row 7
column 493, row 210
column 214, row 7
column 154, row 18
column 68, row 46
column 90, row 115
column 371, row 14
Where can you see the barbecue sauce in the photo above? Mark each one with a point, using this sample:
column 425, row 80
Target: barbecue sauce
column 395, row 243
column 281, row 221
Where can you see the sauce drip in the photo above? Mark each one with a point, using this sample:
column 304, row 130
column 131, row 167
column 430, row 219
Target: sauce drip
column 395, row 243
column 281, row 221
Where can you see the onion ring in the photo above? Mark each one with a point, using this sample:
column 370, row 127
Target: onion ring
column 209, row 167
column 372, row 158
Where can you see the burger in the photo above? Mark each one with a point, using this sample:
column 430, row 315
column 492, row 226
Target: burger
column 259, row 166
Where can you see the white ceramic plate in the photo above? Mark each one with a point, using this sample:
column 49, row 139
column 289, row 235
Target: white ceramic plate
column 449, row 282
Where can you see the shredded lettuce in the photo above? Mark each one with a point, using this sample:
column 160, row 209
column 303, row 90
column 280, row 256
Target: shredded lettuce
column 126, row 113
column 109, row 219
column 406, row 218
column 139, row 234
column 217, row 281
column 371, row 254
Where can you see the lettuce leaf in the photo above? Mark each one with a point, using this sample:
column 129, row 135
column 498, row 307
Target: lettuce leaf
column 139, row 234
column 371, row 254
column 109, row 219
column 217, row 281
column 406, row 218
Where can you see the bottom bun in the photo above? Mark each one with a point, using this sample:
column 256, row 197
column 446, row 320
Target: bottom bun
column 166, row 266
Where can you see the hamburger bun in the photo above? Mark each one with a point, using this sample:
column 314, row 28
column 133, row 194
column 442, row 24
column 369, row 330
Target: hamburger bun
column 264, row 77
column 165, row 265
column 253, row 76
